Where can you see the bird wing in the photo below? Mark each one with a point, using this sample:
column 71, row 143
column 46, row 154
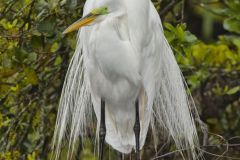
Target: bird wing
column 168, row 105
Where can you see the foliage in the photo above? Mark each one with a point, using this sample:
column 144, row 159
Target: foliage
column 34, row 56
column 231, row 10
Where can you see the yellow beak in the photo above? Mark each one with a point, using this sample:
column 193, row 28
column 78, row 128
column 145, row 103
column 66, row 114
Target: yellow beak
column 80, row 23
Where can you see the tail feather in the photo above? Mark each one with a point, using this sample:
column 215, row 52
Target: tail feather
column 75, row 107
column 172, row 106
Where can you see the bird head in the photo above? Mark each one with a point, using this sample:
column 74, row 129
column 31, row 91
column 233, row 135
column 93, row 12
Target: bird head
column 88, row 19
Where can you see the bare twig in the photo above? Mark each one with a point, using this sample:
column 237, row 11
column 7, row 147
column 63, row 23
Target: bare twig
column 209, row 153
column 165, row 10
column 204, row 147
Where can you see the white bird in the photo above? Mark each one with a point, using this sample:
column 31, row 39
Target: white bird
column 124, row 66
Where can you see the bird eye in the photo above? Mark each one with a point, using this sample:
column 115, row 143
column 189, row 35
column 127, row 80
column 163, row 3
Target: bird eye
column 100, row 10
column 105, row 9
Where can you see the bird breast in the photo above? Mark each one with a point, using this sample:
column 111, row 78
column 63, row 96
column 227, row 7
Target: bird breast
column 113, row 64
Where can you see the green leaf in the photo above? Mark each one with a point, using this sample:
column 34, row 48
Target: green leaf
column 36, row 43
column 15, row 88
column 169, row 26
column 58, row 60
column 33, row 137
column 72, row 4
column 232, row 24
column 213, row 121
column 32, row 57
column 180, row 33
column 54, row 47
column 31, row 156
column 190, row 38
column 236, row 42
column 47, row 25
column 220, row 11
column 31, row 76
column 233, row 90
column 169, row 35
column 20, row 54
column 234, row 5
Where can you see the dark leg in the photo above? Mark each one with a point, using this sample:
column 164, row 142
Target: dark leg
column 120, row 156
column 137, row 130
column 102, row 130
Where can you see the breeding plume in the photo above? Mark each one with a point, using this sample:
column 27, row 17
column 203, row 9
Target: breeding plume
column 124, row 67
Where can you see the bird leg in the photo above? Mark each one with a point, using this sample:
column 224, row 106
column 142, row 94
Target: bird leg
column 102, row 130
column 136, row 130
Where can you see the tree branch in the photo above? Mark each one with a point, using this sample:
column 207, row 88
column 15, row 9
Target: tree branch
column 165, row 10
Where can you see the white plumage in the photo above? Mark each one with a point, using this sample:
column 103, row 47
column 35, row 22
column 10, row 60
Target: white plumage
column 119, row 58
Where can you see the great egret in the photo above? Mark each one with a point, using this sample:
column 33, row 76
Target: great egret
column 124, row 66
